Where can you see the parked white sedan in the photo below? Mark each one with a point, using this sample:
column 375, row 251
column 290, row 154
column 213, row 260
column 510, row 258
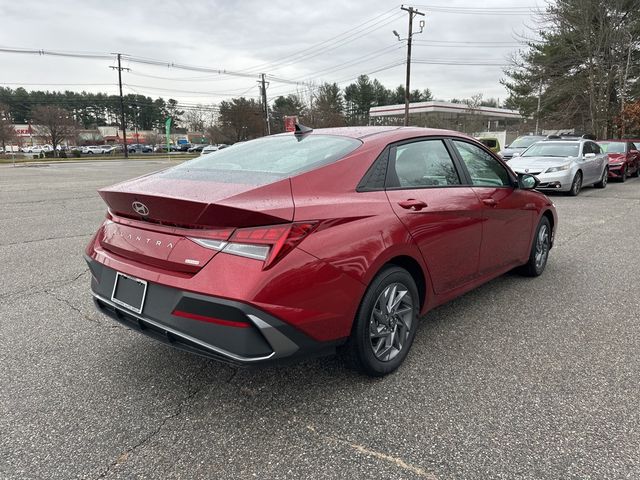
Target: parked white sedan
column 564, row 165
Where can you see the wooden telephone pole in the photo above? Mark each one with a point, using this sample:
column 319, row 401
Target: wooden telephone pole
column 412, row 14
column 124, row 125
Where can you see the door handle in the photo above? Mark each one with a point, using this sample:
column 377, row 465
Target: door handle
column 490, row 202
column 412, row 204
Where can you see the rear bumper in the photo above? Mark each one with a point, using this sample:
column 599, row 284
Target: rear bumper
column 225, row 330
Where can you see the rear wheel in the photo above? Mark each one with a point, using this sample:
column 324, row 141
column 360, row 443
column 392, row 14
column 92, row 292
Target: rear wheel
column 637, row 174
column 385, row 324
column 603, row 180
column 576, row 185
column 539, row 250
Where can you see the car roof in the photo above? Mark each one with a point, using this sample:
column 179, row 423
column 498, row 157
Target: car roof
column 385, row 133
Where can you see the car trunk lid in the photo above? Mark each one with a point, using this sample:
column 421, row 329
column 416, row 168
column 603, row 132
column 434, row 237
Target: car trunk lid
column 153, row 217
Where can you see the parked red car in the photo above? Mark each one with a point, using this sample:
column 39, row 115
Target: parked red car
column 302, row 242
column 624, row 159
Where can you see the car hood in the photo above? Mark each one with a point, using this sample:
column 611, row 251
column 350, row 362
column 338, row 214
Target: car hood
column 537, row 164
column 616, row 157
column 510, row 151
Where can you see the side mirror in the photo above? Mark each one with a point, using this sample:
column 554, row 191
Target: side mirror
column 516, row 154
column 589, row 155
column 527, row 182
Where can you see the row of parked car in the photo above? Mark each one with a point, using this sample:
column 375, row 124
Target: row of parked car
column 566, row 163
column 117, row 148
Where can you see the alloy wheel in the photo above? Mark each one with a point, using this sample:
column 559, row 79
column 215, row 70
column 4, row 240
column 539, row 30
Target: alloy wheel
column 542, row 247
column 391, row 321
column 577, row 184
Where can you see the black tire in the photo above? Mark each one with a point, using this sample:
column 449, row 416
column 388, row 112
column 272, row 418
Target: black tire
column 637, row 173
column 603, row 180
column 536, row 265
column 360, row 349
column 576, row 185
column 625, row 174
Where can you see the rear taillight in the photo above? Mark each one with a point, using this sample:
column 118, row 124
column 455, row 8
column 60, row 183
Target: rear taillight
column 268, row 244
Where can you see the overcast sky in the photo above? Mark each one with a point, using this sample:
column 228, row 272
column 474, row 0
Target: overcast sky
column 277, row 37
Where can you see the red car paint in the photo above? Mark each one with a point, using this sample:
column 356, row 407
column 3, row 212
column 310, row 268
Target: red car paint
column 462, row 238
column 625, row 163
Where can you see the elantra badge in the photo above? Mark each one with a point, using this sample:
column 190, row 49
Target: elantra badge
column 140, row 208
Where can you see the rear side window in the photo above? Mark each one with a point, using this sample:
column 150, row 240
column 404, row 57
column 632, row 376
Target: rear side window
column 485, row 170
column 278, row 156
column 422, row 164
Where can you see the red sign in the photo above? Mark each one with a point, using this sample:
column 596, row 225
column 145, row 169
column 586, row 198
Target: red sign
column 290, row 123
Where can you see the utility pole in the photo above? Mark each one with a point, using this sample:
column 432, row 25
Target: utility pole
column 124, row 126
column 265, row 107
column 412, row 14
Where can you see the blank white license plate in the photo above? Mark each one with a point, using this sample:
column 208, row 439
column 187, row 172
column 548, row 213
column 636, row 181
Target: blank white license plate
column 129, row 292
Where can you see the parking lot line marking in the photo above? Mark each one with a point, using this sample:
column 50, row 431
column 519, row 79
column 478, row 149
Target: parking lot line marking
column 379, row 455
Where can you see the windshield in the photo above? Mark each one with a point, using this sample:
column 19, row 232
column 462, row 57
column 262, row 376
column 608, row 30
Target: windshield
column 612, row 147
column 524, row 142
column 551, row 149
column 279, row 156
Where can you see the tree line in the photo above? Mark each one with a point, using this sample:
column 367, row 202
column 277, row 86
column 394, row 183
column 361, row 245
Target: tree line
column 585, row 70
column 238, row 119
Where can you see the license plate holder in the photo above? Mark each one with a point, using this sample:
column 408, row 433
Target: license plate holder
column 129, row 292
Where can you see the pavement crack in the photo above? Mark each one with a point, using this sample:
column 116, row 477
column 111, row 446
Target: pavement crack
column 46, row 286
column 25, row 242
column 399, row 462
column 124, row 456
column 111, row 325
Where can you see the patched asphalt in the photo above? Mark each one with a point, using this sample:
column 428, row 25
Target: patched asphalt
column 520, row 379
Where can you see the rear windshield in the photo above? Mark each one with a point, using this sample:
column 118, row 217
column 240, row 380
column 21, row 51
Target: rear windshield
column 278, row 156
column 613, row 147
column 550, row 149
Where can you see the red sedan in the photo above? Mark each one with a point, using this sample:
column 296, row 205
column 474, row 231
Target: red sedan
column 300, row 243
column 624, row 159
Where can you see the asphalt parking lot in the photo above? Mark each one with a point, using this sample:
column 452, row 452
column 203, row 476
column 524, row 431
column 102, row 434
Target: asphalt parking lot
column 522, row 378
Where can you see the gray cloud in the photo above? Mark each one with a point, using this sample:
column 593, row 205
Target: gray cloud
column 243, row 35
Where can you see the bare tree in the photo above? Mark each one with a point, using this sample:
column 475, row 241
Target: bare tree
column 54, row 124
column 153, row 138
column 7, row 132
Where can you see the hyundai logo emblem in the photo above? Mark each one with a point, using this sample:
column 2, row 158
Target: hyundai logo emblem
column 140, row 208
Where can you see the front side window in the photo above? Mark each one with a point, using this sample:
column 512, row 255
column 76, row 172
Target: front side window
column 423, row 164
column 485, row 170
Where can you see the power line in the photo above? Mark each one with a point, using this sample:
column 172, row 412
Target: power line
column 506, row 11
column 220, row 94
column 324, row 45
column 61, row 84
